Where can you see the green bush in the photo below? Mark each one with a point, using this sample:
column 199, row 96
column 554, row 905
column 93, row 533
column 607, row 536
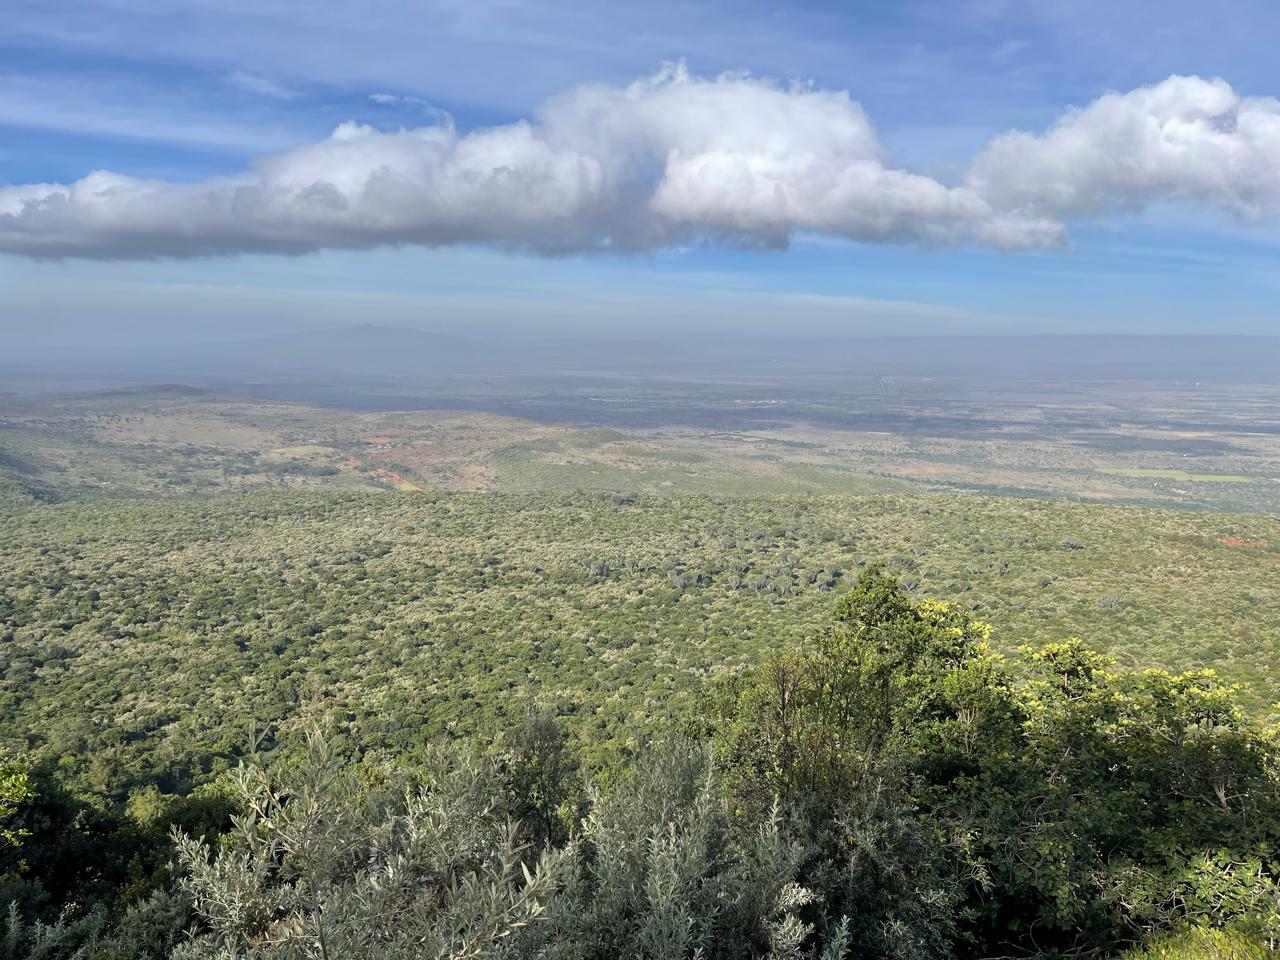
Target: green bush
column 893, row 788
column 1069, row 806
column 1207, row 943
column 319, row 865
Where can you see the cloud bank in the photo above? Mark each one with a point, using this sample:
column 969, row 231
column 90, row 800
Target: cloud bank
column 1186, row 139
column 675, row 159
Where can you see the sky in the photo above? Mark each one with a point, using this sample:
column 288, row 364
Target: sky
column 193, row 170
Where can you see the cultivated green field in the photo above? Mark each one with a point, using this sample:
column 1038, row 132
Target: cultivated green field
column 1140, row 473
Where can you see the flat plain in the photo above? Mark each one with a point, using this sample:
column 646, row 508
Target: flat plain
column 1192, row 446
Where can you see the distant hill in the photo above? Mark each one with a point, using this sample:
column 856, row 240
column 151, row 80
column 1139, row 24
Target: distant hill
column 374, row 354
column 1230, row 359
column 148, row 390
column 363, row 350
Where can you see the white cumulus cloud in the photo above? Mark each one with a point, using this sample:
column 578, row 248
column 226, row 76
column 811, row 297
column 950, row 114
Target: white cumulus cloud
column 673, row 159
column 1186, row 139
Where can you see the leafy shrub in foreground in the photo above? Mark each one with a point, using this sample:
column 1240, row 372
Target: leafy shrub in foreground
column 318, row 866
column 1237, row 942
column 1067, row 806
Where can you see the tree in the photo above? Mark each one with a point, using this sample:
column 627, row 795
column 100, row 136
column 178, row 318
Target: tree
column 15, row 790
column 1047, row 803
column 315, row 867
column 543, row 778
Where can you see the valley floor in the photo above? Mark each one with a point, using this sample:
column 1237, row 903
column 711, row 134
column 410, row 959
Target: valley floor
column 143, row 636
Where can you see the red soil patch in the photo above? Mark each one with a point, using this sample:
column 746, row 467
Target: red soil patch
column 1237, row 542
column 926, row 469
column 393, row 478
column 351, row 463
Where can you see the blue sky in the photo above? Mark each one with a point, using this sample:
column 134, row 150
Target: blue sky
column 188, row 90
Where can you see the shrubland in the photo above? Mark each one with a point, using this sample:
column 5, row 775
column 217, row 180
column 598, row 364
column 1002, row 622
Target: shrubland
column 140, row 638
column 895, row 787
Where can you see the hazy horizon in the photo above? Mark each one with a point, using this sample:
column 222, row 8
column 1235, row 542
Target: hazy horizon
column 371, row 359
column 554, row 169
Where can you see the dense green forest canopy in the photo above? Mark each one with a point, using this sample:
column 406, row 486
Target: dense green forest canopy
column 141, row 638
column 892, row 788
column 785, row 726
